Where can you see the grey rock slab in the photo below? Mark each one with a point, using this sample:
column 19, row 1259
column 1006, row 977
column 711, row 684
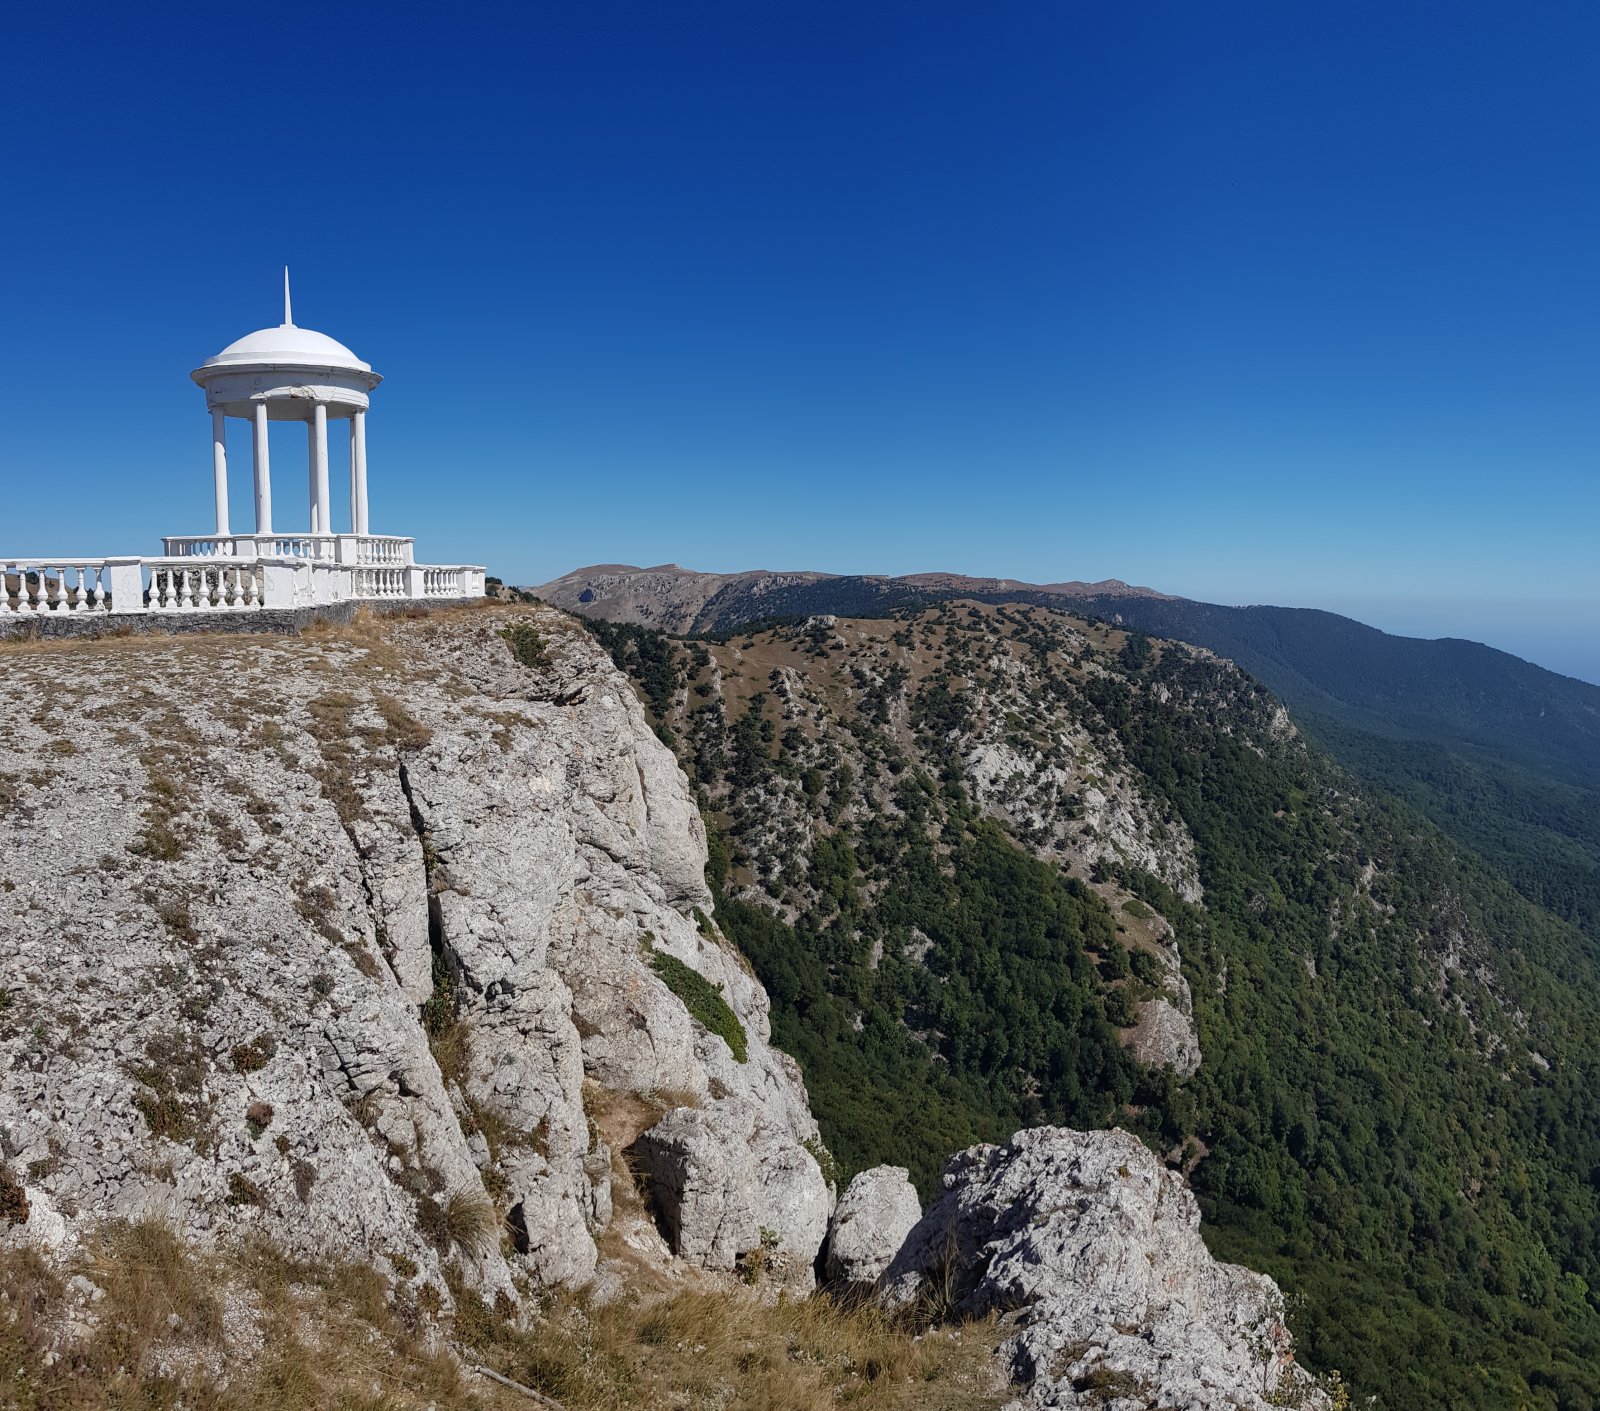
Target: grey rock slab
column 877, row 1212
column 1094, row 1249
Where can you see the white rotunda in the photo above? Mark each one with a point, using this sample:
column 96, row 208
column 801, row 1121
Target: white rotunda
column 287, row 373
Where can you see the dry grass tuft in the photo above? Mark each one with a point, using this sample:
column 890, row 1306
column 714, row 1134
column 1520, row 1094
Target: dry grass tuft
column 735, row 1352
column 253, row 1329
column 167, row 1334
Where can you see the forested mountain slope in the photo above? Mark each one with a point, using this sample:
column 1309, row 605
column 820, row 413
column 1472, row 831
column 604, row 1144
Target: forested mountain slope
column 1501, row 754
column 987, row 860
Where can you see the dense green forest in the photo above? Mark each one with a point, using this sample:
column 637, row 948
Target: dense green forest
column 1398, row 1112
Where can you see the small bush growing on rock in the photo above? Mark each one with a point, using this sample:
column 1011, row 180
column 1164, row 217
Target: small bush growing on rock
column 258, row 1117
column 703, row 1000
column 13, row 1199
column 754, row 1262
column 174, row 1105
column 824, row 1159
column 527, row 645
column 163, row 1114
column 243, row 1191
column 253, row 1056
column 464, row 1220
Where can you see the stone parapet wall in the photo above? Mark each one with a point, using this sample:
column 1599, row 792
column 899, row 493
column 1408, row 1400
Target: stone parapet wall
column 272, row 621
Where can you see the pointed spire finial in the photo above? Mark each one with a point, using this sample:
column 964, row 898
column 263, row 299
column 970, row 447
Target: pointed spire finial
column 288, row 314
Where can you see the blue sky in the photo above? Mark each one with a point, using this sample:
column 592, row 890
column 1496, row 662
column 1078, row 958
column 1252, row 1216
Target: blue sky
column 1275, row 302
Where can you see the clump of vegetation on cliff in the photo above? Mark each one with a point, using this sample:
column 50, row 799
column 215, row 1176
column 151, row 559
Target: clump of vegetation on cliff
column 703, row 1000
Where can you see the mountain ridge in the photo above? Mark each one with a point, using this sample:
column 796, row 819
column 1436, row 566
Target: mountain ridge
column 1501, row 753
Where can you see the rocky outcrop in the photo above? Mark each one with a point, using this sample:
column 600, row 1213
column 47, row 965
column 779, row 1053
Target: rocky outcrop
column 1094, row 1250
column 874, row 1216
column 331, row 937
column 729, row 1184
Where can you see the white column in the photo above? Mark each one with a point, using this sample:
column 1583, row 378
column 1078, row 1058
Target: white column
column 219, row 470
column 311, row 475
column 360, row 447
column 263, row 472
column 322, row 516
column 355, row 489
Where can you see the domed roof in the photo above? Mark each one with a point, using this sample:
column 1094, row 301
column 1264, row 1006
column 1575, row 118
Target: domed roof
column 287, row 346
column 290, row 345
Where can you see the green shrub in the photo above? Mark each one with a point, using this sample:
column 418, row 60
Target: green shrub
column 1120, row 1009
column 1146, row 968
column 527, row 645
column 824, row 1159
column 703, row 1000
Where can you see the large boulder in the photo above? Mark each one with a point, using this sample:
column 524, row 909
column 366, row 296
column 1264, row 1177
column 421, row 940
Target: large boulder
column 728, row 1187
column 1095, row 1250
column 874, row 1216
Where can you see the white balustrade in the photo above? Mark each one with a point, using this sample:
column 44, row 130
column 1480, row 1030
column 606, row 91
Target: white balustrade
column 208, row 575
column 441, row 582
column 297, row 546
column 197, row 548
column 381, row 583
column 383, row 550
column 49, row 586
column 176, row 586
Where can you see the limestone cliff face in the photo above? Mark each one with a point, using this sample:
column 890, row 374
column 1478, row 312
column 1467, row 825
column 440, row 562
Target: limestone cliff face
column 358, row 940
